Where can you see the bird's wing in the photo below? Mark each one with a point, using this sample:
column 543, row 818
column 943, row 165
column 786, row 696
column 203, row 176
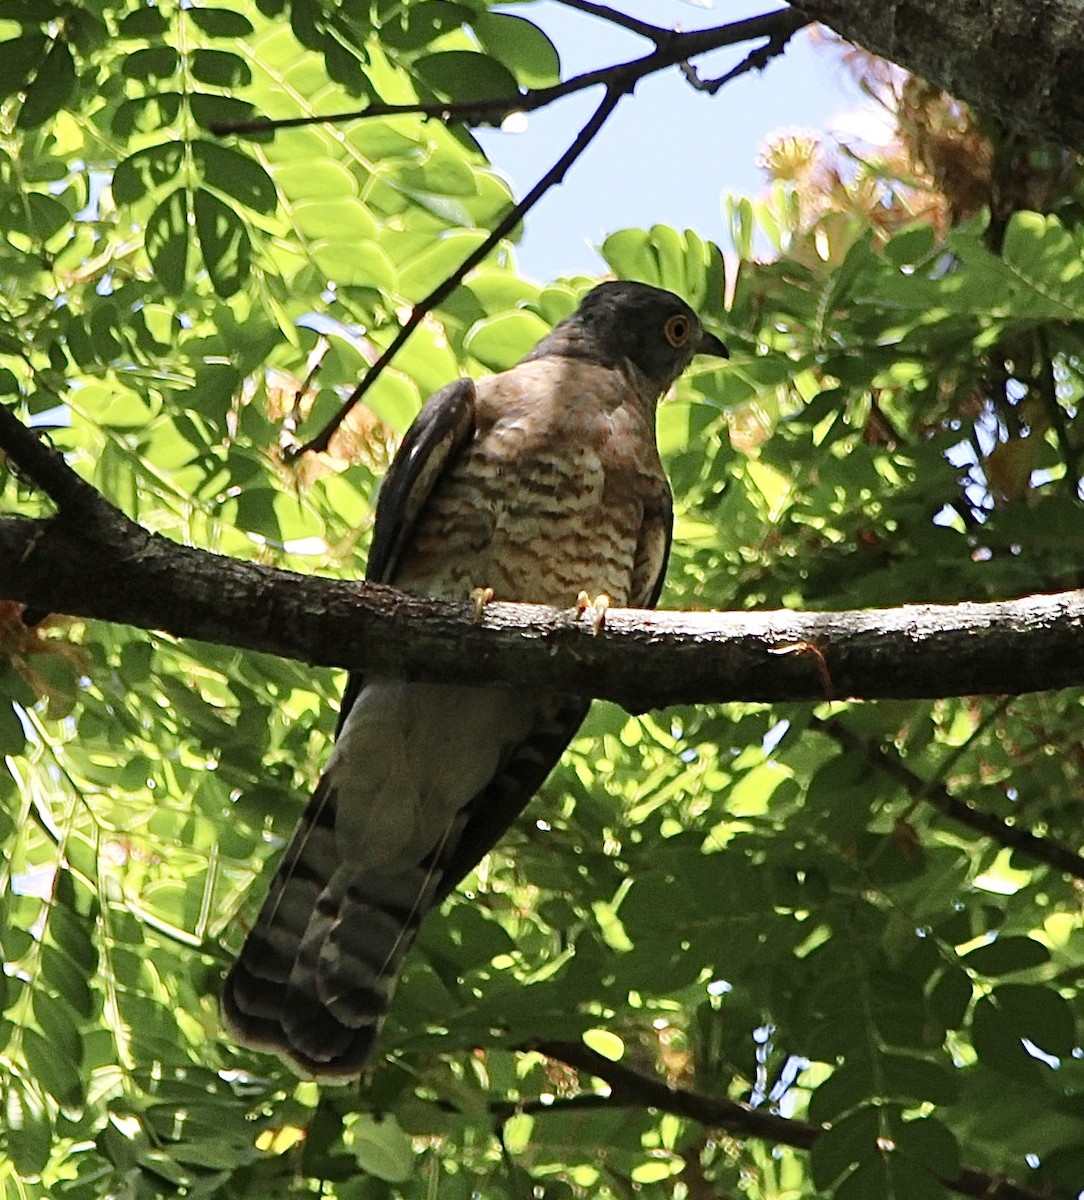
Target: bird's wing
column 439, row 432
column 432, row 443
column 652, row 553
column 495, row 808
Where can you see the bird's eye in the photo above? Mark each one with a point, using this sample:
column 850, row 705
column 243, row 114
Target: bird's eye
column 676, row 331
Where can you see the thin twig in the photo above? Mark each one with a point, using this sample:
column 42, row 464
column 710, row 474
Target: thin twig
column 644, row 28
column 493, row 110
column 619, row 80
column 634, row 1089
column 1052, row 853
column 755, row 60
column 508, row 222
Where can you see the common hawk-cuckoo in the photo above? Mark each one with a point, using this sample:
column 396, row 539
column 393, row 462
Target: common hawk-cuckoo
column 540, row 483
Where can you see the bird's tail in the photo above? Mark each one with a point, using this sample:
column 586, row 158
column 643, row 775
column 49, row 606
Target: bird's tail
column 317, row 971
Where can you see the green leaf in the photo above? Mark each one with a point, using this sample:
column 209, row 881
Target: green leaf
column 1005, row 955
column 951, row 996
column 220, row 68
column 147, row 113
column 907, row 1077
column 146, row 171
column 155, row 63
column 28, row 1131
column 236, row 174
column 892, row 1176
column 464, row 75
column 144, row 23
column 382, row 1148
column 68, row 978
column 209, row 109
column 168, row 237
column 928, row 1142
column 603, row 1042
column 343, row 219
column 1040, row 1014
column 49, row 89
column 911, row 245
column 355, row 264
column 996, row 1039
column 627, row 253
column 57, row 1073
column 219, row 22
column 500, row 341
column 521, row 46
column 848, row 1141
column 224, row 240
column 409, row 27
column 18, row 58
column 12, row 734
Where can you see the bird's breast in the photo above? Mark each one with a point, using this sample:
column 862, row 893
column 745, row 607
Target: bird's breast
column 547, row 501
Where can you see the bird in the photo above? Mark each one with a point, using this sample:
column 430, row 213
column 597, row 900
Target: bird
column 540, row 484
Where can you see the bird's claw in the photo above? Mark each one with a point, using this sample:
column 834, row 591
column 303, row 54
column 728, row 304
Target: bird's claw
column 596, row 605
column 480, row 597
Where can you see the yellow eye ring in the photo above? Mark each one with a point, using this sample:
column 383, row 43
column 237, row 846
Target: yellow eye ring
column 677, row 330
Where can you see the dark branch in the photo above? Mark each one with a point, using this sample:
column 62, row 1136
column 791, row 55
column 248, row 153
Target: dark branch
column 39, row 464
column 633, row 1089
column 640, row 659
column 1044, row 850
column 755, row 60
column 508, row 222
column 493, row 110
column 95, row 562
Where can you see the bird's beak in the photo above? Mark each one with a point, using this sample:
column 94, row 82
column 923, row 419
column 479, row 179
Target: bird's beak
column 710, row 344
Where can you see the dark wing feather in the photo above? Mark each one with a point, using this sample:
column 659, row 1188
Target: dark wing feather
column 652, row 555
column 432, row 443
column 495, row 809
column 437, row 435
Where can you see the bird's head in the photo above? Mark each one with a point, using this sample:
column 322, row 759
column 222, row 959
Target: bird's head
column 622, row 321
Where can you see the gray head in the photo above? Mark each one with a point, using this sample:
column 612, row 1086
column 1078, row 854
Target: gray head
column 621, row 322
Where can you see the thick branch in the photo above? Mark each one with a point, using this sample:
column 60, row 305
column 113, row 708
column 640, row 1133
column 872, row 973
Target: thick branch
column 1016, row 60
column 92, row 561
column 633, row 1089
column 641, row 659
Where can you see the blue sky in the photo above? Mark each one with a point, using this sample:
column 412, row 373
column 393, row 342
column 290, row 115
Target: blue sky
column 669, row 153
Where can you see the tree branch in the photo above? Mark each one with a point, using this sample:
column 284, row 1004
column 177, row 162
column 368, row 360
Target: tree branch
column 676, row 48
column 1044, row 850
column 614, row 94
column 92, row 561
column 755, row 60
column 633, row 1089
column 640, row 659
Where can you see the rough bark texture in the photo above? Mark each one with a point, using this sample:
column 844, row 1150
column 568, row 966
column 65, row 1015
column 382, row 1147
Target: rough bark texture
column 641, row 659
column 1017, row 60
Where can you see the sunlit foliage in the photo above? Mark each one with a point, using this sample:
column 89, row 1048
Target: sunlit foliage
column 745, row 901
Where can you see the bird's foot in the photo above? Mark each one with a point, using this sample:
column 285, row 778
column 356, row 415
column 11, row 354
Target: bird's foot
column 597, row 606
column 480, row 597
